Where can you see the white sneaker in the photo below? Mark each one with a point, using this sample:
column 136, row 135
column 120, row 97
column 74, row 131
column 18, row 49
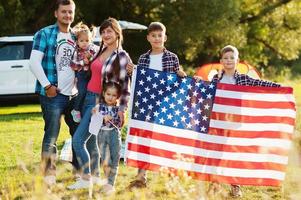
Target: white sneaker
column 50, row 180
column 108, row 189
column 81, row 184
column 98, row 181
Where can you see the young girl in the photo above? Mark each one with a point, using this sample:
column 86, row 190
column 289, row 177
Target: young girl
column 84, row 53
column 106, row 123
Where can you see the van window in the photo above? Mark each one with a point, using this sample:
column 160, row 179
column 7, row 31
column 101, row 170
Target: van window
column 12, row 51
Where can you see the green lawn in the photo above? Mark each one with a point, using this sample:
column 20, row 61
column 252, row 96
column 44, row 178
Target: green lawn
column 20, row 144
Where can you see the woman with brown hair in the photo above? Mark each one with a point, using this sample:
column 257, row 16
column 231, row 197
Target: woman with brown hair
column 108, row 66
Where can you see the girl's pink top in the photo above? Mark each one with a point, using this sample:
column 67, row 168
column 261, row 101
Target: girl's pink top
column 95, row 83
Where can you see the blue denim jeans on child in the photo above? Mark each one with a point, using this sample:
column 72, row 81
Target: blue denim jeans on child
column 112, row 139
column 82, row 82
column 52, row 109
column 84, row 143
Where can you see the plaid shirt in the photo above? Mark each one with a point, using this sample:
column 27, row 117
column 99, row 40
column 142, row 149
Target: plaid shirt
column 170, row 61
column 45, row 40
column 113, row 112
column 77, row 62
column 243, row 79
column 123, row 80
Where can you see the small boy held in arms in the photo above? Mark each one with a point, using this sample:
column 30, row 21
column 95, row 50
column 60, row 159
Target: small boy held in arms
column 158, row 58
column 84, row 53
column 229, row 74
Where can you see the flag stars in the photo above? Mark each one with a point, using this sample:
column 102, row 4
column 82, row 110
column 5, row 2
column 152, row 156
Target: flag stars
column 196, row 122
column 185, row 108
column 166, row 99
column 150, row 107
column 155, row 85
column 149, row 78
column 156, row 114
column 144, row 100
column 158, row 103
column 135, row 115
column 142, row 110
column 168, row 88
column 176, row 84
column 141, row 82
column 201, row 100
column 152, row 96
column 187, row 97
column 188, row 125
column 161, row 120
column 156, row 74
column 139, row 93
column 137, row 103
column 195, row 93
column 206, row 107
column 142, row 71
column 174, row 95
column 204, row 118
column 147, row 89
column 175, row 123
column 203, row 90
column 184, row 80
column 211, row 86
column 183, row 118
column 147, row 117
column 199, row 111
column 182, row 91
column 203, row 129
column 164, row 109
column 209, row 96
column 169, row 77
column 198, row 84
column 189, row 86
column 169, row 116
column 191, row 115
column 160, row 92
column 172, row 106
column 180, row 101
column 177, row 112
column 162, row 81
column 193, row 105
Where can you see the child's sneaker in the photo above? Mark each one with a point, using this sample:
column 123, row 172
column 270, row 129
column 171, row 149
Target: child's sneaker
column 98, row 181
column 76, row 116
column 81, row 184
column 108, row 189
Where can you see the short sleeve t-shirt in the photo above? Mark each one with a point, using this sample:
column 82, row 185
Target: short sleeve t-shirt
column 228, row 79
column 64, row 51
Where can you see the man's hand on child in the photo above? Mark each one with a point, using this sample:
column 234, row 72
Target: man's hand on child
column 181, row 73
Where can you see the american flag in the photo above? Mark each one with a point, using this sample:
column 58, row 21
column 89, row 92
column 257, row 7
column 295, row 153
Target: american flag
column 221, row 132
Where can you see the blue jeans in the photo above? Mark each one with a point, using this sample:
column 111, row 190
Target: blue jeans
column 112, row 139
column 82, row 82
column 52, row 109
column 85, row 144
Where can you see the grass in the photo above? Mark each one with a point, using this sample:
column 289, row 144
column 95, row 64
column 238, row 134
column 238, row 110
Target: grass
column 20, row 145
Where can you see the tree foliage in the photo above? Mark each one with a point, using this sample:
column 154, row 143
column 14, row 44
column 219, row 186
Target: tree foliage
column 263, row 30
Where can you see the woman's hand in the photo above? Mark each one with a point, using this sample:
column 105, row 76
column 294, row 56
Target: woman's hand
column 121, row 117
column 107, row 118
column 129, row 68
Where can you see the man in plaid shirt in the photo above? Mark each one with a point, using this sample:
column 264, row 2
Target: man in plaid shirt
column 50, row 58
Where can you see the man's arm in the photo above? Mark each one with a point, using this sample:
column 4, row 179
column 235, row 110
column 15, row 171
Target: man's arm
column 35, row 64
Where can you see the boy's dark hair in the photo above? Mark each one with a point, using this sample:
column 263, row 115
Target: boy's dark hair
column 156, row 26
column 63, row 2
